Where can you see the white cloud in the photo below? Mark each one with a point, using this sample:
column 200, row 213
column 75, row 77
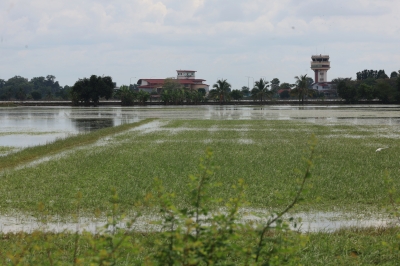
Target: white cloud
column 233, row 39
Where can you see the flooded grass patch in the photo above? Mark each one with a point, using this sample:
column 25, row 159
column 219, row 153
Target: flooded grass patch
column 59, row 145
column 348, row 173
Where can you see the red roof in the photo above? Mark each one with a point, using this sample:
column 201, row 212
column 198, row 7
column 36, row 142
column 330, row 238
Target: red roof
column 181, row 81
column 282, row 90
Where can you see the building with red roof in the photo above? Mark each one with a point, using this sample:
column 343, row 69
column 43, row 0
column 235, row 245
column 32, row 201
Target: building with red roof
column 187, row 78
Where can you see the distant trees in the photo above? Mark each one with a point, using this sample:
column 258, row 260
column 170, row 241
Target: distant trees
column 387, row 90
column 91, row 89
column 371, row 74
column 275, row 85
column 20, row 88
column 172, row 92
column 302, row 87
column 126, row 95
column 260, row 90
column 222, row 88
column 245, row 91
column 236, row 95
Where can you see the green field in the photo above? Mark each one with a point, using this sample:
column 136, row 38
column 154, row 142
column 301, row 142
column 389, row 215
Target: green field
column 348, row 174
column 348, row 177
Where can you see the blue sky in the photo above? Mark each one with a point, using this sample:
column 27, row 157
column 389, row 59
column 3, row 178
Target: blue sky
column 132, row 39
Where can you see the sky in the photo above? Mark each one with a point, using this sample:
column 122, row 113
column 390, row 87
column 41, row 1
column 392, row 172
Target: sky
column 240, row 41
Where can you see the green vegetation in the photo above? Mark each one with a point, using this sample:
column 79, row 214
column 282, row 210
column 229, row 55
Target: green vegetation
column 369, row 246
column 5, row 149
column 195, row 236
column 348, row 175
column 221, row 89
column 301, row 89
column 34, row 153
column 264, row 153
column 38, row 88
column 370, row 84
column 260, row 90
column 92, row 89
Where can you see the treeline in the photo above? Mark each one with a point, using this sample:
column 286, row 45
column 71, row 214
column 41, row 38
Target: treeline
column 38, row 88
column 370, row 84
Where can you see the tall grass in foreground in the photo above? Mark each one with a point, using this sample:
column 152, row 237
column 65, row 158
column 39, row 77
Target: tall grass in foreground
column 193, row 235
column 201, row 235
column 32, row 153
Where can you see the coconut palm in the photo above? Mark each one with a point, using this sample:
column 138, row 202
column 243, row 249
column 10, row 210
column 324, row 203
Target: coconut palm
column 223, row 88
column 260, row 90
column 301, row 88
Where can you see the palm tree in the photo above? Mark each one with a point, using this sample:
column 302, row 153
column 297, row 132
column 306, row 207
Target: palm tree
column 260, row 90
column 223, row 88
column 301, row 87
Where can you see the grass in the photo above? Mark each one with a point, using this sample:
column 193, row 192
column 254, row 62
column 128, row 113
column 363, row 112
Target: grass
column 348, row 173
column 369, row 246
column 26, row 133
column 33, row 153
column 4, row 149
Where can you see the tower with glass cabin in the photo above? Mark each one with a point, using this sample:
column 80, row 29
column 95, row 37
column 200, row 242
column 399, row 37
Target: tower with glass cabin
column 320, row 64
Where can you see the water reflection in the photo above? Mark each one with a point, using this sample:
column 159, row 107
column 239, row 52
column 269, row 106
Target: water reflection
column 56, row 121
column 87, row 125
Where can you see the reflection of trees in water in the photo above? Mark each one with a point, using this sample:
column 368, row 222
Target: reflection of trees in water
column 91, row 124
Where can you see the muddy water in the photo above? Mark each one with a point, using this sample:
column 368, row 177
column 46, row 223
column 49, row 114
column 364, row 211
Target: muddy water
column 29, row 126
column 306, row 222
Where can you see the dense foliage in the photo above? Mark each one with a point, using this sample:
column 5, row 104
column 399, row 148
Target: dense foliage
column 368, row 86
column 20, row 88
column 91, row 89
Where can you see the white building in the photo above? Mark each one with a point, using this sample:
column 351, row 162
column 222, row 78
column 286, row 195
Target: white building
column 320, row 64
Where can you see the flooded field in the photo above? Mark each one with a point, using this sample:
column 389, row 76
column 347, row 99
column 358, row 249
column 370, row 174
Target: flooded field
column 29, row 126
column 252, row 142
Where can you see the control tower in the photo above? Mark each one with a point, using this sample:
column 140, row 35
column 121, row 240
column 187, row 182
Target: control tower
column 320, row 64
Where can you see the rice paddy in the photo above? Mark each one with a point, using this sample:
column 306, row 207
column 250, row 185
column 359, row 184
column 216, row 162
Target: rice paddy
column 263, row 146
column 348, row 174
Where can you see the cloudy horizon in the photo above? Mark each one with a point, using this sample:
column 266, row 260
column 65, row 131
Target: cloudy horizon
column 233, row 40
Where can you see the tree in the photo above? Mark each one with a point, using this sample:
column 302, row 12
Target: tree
column 36, row 95
column 346, row 89
column 385, row 92
column 245, row 91
column 20, row 95
column 260, row 90
column 301, row 88
column 382, row 75
column 126, row 95
column 285, row 86
column 236, row 95
column 143, row 96
column 172, row 91
column 93, row 89
column 398, row 88
column 223, row 88
column 371, row 74
column 213, row 95
column 285, row 94
column 365, row 74
column 310, row 82
column 366, row 92
column 394, row 75
column 275, row 85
